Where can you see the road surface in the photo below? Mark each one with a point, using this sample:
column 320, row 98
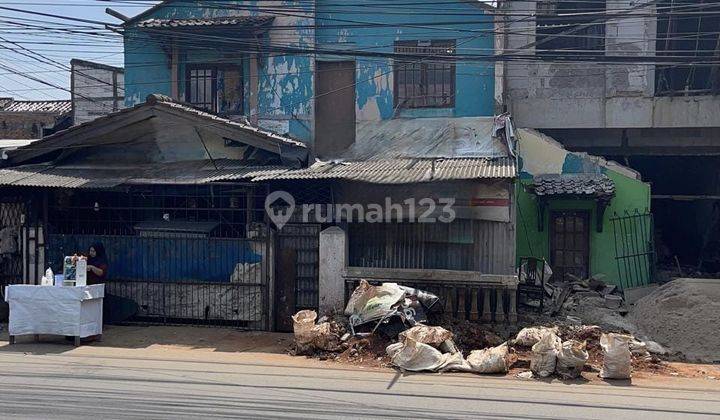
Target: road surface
column 55, row 381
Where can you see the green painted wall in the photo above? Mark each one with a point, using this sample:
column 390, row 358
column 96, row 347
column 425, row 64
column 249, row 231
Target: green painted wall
column 631, row 194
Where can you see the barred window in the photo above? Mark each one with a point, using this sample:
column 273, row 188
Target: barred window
column 424, row 82
column 690, row 33
column 215, row 88
column 582, row 19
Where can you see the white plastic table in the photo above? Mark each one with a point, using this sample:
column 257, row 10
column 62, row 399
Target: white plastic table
column 69, row 311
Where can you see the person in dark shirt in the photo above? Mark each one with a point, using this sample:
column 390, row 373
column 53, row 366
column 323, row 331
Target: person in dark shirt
column 97, row 267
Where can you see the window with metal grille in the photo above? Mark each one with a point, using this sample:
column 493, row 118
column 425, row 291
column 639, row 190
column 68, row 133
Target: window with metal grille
column 570, row 27
column 427, row 78
column 688, row 28
column 217, row 89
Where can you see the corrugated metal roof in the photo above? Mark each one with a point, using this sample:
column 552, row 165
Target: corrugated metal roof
column 591, row 185
column 465, row 137
column 178, row 173
column 45, row 107
column 403, row 171
column 274, row 142
column 220, row 21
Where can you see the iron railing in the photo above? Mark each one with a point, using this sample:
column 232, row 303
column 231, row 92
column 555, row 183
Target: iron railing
column 634, row 248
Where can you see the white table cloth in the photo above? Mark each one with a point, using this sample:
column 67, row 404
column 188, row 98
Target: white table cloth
column 70, row 311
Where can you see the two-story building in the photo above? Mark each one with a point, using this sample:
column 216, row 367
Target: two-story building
column 356, row 105
column 635, row 81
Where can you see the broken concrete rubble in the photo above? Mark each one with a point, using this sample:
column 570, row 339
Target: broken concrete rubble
column 462, row 345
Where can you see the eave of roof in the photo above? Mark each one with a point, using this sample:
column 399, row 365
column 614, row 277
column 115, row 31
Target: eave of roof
column 274, row 142
column 200, row 23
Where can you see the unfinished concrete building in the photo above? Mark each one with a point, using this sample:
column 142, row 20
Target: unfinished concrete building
column 611, row 78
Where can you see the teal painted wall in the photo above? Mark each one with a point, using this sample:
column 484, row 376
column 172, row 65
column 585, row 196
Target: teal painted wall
column 286, row 79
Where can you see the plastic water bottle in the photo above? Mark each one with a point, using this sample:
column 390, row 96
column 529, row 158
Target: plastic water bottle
column 49, row 278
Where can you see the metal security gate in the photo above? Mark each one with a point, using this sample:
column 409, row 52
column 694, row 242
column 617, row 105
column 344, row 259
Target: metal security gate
column 634, row 248
column 176, row 280
column 298, row 271
column 11, row 244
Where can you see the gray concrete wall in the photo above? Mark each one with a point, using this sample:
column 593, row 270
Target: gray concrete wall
column 547, row 95
column 97, row 90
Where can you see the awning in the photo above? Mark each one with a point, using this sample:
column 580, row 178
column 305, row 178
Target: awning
column 178, row 173
column 403, row 171
column 579, row 185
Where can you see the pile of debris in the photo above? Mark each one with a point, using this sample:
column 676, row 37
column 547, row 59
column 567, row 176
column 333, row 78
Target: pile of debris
column 390, row 325
column 589, row 301
column 567, row 350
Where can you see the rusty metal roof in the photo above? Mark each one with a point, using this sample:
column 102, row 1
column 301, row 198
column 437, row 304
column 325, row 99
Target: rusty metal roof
column 177, row 173
column 402, row 171
column 588, row 185
column 44, row 107
column 204, row 23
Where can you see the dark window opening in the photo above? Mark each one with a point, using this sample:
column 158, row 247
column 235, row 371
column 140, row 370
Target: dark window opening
column 570, row 27
column 217, row 89
column 688, row 29
column 424, row 82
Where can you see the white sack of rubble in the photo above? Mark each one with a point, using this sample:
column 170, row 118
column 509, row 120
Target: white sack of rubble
column 617, row 359
column 413, row 356
column 571, row 359
column 544, row 354
column 528, row 337
column 491, row 360
column 426, row 335
column 683, row 316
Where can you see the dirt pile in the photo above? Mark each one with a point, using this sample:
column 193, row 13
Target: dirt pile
column 683, row 315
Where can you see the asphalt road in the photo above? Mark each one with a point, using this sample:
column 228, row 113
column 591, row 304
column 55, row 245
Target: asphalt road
column 130, row 384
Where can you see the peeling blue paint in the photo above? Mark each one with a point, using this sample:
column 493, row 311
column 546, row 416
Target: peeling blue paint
column 287, row 81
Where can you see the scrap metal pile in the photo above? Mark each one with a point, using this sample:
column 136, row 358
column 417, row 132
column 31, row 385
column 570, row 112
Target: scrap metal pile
column 391, row 323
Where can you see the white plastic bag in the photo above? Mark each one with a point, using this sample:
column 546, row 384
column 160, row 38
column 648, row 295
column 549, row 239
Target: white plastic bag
column 544, row 357
column 618, row 359
column 491, row 360
column 571, row 359
column 528, row 337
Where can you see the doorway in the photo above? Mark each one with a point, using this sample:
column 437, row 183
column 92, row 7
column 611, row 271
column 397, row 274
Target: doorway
column 334, row 107
column 570, row 244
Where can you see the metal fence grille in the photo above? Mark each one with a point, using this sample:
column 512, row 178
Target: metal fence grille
column 210, row 281
column 11, row 269
column 305, row 239
column 634, row 248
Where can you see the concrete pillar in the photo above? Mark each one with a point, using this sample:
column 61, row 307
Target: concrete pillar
column 473, row 304
column 512, row 312
column 499, row 310
column 487, row 313
column 333, row 260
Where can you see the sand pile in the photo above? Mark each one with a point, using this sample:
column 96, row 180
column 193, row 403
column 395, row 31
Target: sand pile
column 684, row 316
